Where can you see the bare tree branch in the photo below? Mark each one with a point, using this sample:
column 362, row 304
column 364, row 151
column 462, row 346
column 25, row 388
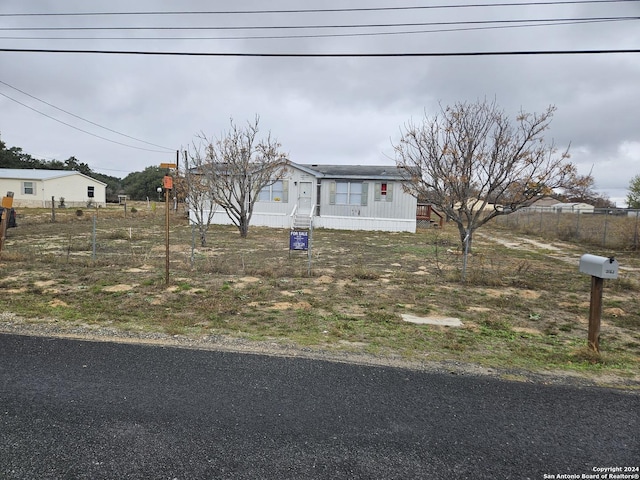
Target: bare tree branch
column 237, row 165
column 196, row 190
column 473, row 163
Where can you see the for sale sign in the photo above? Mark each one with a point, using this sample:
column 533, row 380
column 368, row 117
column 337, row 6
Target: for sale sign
column 299, row 240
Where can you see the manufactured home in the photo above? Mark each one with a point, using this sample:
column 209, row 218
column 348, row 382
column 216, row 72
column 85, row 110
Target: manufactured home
column 37, row 188
column 342, row 197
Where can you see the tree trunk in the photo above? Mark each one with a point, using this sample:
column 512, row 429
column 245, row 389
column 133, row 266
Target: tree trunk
column 244, row 228
column 463, row 235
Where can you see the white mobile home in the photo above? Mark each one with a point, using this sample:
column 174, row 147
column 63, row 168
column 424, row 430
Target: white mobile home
column 343, row 197
column 573, row 208
column 560, row 207
column 36, row 188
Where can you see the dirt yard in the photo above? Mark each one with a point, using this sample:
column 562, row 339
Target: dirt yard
column 524, row 306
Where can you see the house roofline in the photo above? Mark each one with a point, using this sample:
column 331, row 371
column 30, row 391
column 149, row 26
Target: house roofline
column 54, row 174
column 306, row 169
column 394, row 176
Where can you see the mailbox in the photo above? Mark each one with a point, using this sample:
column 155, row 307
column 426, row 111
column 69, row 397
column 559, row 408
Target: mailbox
column 601, row 267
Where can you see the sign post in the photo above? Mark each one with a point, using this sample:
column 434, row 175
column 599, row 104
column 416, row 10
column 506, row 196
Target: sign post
column 301, row 240
column 167, row 184
column 7, row 204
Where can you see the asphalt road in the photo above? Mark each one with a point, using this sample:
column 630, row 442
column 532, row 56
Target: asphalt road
column 74, row 409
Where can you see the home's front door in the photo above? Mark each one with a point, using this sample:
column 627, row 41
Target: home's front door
column 304, row 197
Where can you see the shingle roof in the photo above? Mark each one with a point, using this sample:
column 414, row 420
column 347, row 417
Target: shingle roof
column 371, row 172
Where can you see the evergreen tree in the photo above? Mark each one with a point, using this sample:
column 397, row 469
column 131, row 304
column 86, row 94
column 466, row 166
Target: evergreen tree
column 633, row 197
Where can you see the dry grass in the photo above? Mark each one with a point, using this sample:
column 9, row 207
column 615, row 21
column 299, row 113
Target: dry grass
column 524, row 304
column 618, row 232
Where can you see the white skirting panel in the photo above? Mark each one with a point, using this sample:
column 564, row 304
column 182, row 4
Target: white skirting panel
column 274, row 220
column 364, row 223
column 278, row 220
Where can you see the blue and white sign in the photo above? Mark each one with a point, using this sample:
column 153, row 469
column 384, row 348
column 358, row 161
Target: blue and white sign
column 299, row 240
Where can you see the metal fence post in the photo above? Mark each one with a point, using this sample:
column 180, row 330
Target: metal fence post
column 635, row 232
column 540, row 220
column 93, row 239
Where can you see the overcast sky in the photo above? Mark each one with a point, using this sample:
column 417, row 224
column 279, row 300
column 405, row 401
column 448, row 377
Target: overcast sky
column 322, row 110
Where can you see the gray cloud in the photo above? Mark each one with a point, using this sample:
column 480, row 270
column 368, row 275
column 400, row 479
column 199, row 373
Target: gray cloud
column 323, row 110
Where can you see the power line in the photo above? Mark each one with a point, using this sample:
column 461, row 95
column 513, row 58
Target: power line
column 112, row 170
column 316, row 10
column 323, row 35
column 83, row 119
column 79, row 129
column 307, row 27
column 328, row 55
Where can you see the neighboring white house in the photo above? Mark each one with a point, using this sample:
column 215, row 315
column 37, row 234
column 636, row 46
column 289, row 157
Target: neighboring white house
column 35, row 188
column 343, row 197
column 573, row 208
column 560, row 207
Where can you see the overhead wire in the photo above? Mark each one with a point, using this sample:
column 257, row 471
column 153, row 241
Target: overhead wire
column 493, row 24
column 318, row 10
column 323, row 35
column 307, row 27
column 463, row 26
column 328, row 55
column 77, row 128
column 81, row 118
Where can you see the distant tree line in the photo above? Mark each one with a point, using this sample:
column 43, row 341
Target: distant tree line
column 136, row 185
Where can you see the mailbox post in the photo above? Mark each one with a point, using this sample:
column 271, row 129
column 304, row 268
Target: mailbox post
column 599, row 268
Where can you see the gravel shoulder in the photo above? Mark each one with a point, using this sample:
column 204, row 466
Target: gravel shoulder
column 12, row 324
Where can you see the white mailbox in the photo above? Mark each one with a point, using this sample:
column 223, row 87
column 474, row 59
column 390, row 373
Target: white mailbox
column 597, row 266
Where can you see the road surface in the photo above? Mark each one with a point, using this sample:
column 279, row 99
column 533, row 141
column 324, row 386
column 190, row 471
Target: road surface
column 79, row 409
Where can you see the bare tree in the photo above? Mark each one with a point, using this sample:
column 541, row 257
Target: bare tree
column 237, row 166
column 582, row 189
column 197, row 191
column 473, row 163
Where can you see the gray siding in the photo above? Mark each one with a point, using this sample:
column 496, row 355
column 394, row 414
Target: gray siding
column 401, row 206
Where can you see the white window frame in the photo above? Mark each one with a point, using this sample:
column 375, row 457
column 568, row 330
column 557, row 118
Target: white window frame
column 345, row 192
column 348, row 193
column 31, row 186
column 275, row 192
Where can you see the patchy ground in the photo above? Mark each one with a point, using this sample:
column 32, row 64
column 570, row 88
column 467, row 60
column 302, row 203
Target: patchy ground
column 524, row 307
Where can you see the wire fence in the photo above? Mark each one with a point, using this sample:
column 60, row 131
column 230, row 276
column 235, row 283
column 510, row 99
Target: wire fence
column 606, row 228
